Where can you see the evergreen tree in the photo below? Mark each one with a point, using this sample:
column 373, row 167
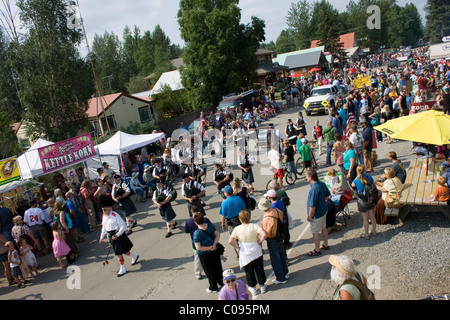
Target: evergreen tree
column 437, row 20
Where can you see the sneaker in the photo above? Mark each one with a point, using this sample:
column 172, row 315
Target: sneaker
column 365, row 236
column 199, row 276
column 168, row 234
column 263, row 289
column 253, row 291
column 287, row 276
column 211, row 291
column 275, row 281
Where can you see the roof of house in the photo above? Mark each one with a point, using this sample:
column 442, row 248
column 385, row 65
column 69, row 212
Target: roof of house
column 267, row 67
column 95, row 105
column 171, row 78
column 281, row 58
column 304, row 59
column 347, row 39
column 263, row 52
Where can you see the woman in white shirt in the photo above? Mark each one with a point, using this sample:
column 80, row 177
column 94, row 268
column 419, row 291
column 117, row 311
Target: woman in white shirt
column 114, row 228
column 250, row 237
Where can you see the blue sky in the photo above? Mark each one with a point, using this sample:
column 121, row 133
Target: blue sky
column 113, row 15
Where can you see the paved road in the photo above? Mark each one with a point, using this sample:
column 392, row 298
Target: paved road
column 165, row 268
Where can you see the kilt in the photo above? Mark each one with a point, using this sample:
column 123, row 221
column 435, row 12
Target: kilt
column 167, row 213
column 248, row 177
column 128, row 206
column 121, row 245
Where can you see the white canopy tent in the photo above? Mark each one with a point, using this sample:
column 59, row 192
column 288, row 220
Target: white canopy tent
column 123, row 142
column 29, row 163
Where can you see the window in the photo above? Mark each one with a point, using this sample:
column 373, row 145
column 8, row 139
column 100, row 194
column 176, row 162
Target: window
column 111, row 122
column 94, row 128
column 144, row 114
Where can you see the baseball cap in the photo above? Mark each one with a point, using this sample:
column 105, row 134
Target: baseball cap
column 228, row 189
column 271, row 193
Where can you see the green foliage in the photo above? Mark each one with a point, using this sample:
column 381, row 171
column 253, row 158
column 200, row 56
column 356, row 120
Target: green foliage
column 320, row 21
column 438, row 20
column 139, row 128
column 10, row 145
column 220, row 51
column 49, row 71
column 170, row 103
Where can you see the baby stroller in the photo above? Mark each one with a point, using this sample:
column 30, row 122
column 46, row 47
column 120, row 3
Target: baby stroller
column 343, row 211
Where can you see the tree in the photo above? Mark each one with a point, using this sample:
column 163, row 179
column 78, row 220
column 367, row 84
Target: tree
column 8, row 140
column 327, row 29
column 46, row 64
column 437, row 20
column 285, row 42
column 143, row 55
column 161, row 52
column 220, row 51
column 107, row 51
column 299, row 22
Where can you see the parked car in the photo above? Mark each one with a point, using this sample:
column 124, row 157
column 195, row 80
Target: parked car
column 322, row 98
column 233, row 100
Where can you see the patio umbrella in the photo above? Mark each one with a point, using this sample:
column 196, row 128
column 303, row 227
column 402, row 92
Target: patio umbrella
column 295, row 75
column 314, row 69
column 429, row 127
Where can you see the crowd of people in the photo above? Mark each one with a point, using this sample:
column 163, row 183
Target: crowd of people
column 347, row 138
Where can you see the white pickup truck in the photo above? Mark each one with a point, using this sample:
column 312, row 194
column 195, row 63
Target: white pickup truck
column 322, row 98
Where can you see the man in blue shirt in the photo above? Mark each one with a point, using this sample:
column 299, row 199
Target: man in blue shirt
column 230, row 208
column 317, row 211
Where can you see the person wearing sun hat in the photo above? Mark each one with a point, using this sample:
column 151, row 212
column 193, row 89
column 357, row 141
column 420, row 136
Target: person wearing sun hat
column 115, row 228
column 343, row 269
column 233, row 288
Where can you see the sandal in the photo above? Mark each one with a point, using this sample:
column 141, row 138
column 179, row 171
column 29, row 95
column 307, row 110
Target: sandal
column 314, row 253
column 324, row 247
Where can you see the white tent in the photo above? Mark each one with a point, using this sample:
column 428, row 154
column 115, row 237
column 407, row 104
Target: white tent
column 29, row 163
column 123, row 142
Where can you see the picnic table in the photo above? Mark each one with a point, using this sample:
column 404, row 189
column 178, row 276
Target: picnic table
column 416, row 194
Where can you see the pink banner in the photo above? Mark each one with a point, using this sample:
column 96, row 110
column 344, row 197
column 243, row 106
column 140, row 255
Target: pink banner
column 66, row 153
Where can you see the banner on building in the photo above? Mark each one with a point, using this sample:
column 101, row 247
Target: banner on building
column 66, row 153
column 9, row 170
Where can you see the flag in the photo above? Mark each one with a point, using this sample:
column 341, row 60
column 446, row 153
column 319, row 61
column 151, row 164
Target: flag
column 351, row 120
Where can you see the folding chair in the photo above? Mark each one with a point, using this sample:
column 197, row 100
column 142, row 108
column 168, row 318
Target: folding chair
column 343, row 210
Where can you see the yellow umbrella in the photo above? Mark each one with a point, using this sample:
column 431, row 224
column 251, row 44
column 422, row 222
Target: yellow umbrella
column 429, row 127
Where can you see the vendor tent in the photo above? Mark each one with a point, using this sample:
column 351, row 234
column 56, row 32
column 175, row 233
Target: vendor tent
column 29, row 163
column 123, row 142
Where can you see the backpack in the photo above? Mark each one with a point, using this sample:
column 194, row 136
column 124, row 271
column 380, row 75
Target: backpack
column 371, row 192
column 366, row 293
column 281, row 228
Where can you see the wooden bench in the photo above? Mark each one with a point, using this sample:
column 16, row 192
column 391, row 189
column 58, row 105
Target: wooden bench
column 416, row 194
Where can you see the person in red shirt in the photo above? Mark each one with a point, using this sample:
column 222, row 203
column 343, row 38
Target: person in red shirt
column 423, row 86
column 442, row 192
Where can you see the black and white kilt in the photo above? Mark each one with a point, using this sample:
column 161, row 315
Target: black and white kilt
column 121, row 245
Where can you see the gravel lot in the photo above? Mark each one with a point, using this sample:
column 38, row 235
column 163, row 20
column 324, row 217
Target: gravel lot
column 413, row 258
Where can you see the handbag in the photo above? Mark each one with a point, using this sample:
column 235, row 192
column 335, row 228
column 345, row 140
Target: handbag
column 219, row 247
column 392, row 202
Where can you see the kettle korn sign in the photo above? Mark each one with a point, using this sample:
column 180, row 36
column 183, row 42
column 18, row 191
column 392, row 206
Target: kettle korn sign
column 66, row 153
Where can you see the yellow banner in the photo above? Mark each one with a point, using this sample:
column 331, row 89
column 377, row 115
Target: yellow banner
column 358, row 83
column 9, row 171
